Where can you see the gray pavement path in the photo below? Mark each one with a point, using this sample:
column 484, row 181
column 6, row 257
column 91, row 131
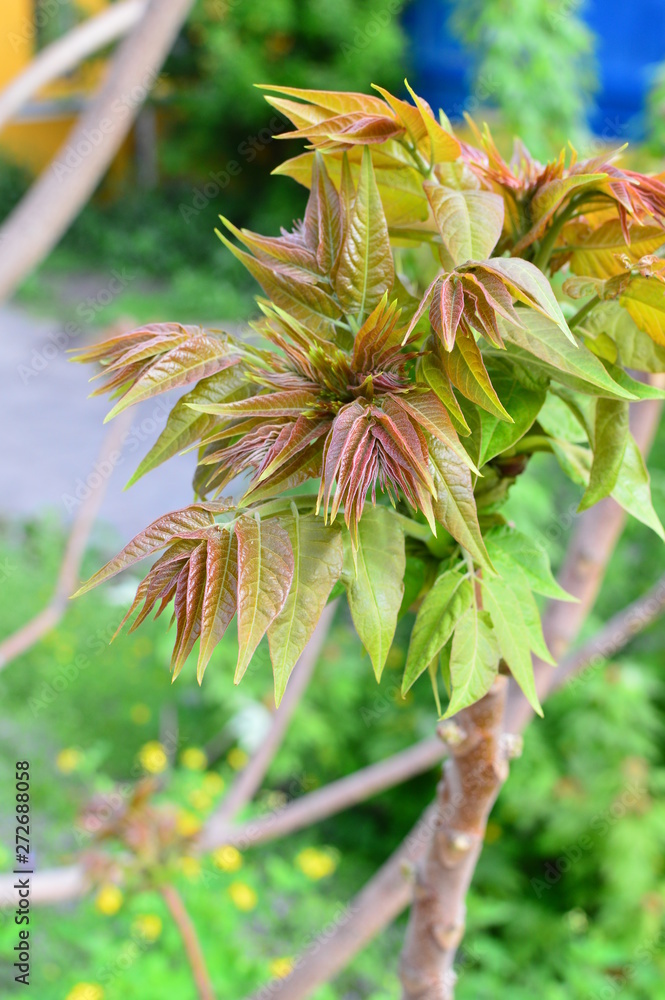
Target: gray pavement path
column 51, row 434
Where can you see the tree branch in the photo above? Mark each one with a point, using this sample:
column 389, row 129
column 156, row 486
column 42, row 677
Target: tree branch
column 30, row 633
column 472, row 776
column 190, row 941
column 251, row 777
column 57, row 196
column 331, row 799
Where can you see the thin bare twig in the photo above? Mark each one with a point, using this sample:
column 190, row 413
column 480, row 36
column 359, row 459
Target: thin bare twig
column 30, row 633
column 190, row 941
column 251, row 777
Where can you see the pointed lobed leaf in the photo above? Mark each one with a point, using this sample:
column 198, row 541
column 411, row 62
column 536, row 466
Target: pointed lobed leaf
column 644, row 300
column 195, row 359
column 374, row 582
column 455, row 505
column 466, row 369
column 366, row 269
column 188, row 609
column 632, row 490
column 318, row 557
column 220, row 594
column 265, row 573
column 444, row 604
column 469, row 222
column 523, row 405
column 512, row 635
column 530, row 286
column 597, row 251
column 548, row 199
column 474, row 660
column 530, row 556
column 427, row 410
column 439, row 383
column 610, row 437
column 156, row 536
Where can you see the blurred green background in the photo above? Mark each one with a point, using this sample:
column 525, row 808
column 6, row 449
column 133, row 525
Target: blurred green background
column 569, row 898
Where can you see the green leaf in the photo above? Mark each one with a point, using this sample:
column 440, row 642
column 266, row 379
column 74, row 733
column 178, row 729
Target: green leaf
column 632, row 491
column 455, row 505
column 644, row 298
column 609, row 444
column 439, row 383
column 529, row 285
column 543, row 340
column 366, row 269
column 414, row 581
column 636, row 348
column 522, row 404
column 512, row 634
column 531, row 556
column 375, row 581
column 469, row 222
column 184, row 426
column 474, row 660
column 317, row 565
column 444, row 604
column 573, row 459
column 466, row 370
column 560, row 420
column 517, row 581
column 641, row 390
column 265, row 572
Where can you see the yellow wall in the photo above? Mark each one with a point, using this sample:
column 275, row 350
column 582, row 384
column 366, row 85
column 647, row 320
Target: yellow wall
column 33, row 143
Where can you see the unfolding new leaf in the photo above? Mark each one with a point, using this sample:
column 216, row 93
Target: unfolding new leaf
column 366, row 268
column 374, row 582
column 439, row 382
column 530, row 286
column 177, row 524
column 196, row 358
column 597, row 252
column 469, row 222
column 318, row 557
column 265, row 572
column 466, row 369
column 523, row 405
column 184, row 426
column 635, row 348
column 609, row 445
column 443, row 606
column 548, row 198
column 220, row 594
column 455, row 505
column 474, row 660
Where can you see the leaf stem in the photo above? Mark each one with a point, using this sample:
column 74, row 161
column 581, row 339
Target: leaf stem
column 583, row 312
column 190, row 941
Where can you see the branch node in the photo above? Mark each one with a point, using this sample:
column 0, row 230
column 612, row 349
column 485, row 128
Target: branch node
column 451, row 733
column 512, row 745
column 448, row 935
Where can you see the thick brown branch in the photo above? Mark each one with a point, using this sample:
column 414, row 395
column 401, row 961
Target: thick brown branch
column 472, row 776
column 190, row 941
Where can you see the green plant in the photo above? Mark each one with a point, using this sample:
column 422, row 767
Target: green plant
column 382, row 425
column 536, row 48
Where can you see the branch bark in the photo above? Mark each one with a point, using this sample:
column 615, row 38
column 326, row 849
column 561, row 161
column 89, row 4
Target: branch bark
column 190, row 941
column 54, row 200
column 472, row 776
column 67, row 582
column 251, row 777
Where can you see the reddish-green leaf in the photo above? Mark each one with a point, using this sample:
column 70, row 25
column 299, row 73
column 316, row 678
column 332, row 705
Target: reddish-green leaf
column 220, row 595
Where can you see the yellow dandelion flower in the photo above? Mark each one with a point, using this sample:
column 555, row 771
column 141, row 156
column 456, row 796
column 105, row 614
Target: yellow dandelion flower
column 86, row 991
column 108, row 899
column 140, row 713
column 148, row 926
column 243, row 896
column 228, row 858
column 213, row 783
column 199, row 799
column 237, row 758
column 69, row 760
column 194, row 759
column 187, row 824
column 315, row 863
column 190, row 867
column 280, row 967
column 152, row 757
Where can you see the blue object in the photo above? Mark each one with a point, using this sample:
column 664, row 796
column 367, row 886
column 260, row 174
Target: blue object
column 630, row 44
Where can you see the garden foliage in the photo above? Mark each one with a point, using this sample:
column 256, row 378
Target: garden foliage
column 411, row 356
